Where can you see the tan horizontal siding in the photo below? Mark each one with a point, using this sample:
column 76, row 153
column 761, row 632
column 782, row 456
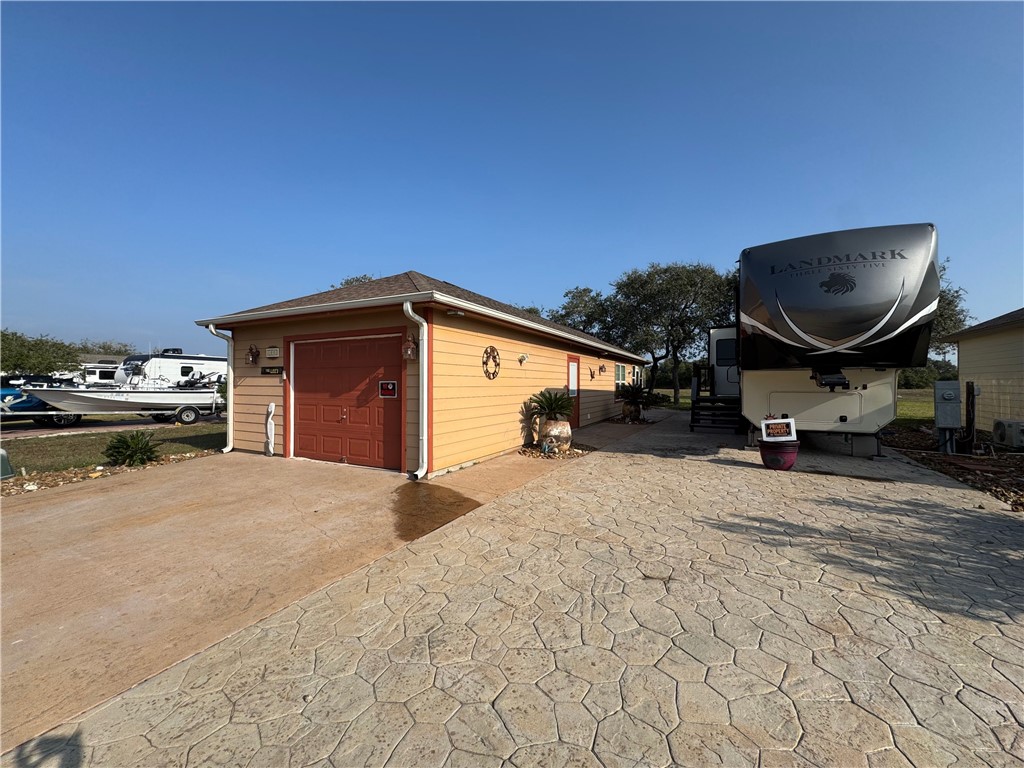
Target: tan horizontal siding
column 995, row 362
column 475, row 417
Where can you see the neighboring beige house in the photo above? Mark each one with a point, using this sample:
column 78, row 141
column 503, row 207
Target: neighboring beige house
column 406, row 373
column 991, row 354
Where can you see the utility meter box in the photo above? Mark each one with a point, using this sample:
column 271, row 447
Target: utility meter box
column 947, row 405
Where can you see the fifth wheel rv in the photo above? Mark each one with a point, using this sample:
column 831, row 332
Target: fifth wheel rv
column 825, row 322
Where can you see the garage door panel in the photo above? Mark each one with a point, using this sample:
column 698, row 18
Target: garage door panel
column 305, row 413
column 332, row 446
column 359, row 450
column 331, row 414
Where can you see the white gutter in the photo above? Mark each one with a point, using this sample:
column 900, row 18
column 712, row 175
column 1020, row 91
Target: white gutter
column 231, row 385
column 424, row 354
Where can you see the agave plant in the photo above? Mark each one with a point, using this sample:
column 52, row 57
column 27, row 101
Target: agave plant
column 634, row 400
column 132, row 449
column 553, row 405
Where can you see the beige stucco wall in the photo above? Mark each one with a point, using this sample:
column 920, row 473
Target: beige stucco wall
column 995, row 361
column 475, row 417
column 253, row 391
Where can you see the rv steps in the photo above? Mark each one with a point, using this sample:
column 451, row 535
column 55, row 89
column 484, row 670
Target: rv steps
column 716, row 413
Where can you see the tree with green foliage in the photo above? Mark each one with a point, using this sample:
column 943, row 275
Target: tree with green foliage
column 21, row 354
column 583, row 309
column 925, row 377
column 951, row 315
column 353, row 280
column 530, row 309
column 108, row 347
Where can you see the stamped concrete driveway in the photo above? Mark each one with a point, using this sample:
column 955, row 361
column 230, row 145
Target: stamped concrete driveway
column 664, row 601
column 107, row 583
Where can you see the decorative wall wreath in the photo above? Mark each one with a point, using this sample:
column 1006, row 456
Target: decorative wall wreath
column 491, row 363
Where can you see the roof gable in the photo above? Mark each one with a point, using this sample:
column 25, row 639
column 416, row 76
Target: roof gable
column 1008, row 320
column 411, row 286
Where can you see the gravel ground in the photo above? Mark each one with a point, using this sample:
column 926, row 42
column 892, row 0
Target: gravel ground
column 35, row 481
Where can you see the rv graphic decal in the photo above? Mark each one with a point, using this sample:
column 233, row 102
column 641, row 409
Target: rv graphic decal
column 838, row 282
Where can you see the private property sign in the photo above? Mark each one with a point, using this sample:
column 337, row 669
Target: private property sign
column 778, row 430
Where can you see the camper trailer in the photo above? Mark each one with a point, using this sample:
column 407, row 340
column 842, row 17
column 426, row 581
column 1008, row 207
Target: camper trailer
column 825, row 322
column 167, row 367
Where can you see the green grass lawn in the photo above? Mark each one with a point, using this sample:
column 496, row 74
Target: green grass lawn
column 60, row 452
column 684, row 399
column 915, row 408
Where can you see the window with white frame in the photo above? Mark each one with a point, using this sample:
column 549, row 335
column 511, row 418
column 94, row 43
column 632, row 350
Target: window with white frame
column 620, row 377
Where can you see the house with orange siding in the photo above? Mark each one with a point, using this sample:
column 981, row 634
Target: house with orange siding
column 406, row 373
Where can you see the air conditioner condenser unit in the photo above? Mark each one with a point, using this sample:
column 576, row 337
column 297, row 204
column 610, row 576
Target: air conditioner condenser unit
column 1009, row 434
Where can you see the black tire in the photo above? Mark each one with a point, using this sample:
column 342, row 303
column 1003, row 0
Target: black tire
column 65, row 419
column 162, row 418
column 187, row 415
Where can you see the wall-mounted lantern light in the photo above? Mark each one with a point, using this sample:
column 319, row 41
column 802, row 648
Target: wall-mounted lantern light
column 253, row 355
column 523, row 358
column 602, row 368
column 409, row 350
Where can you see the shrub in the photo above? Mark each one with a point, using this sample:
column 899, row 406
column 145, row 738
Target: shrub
column 132, row 449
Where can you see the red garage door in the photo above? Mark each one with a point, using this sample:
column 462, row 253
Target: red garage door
column 339, row 414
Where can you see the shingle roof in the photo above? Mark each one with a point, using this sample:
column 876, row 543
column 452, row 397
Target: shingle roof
column 397, row 286
column 1009, row 319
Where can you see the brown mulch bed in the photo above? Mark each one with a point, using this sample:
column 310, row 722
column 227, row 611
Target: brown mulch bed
column 36, row 481
column 999, row 473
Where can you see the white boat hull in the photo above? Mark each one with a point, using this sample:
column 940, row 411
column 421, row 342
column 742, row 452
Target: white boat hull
column 127, row 400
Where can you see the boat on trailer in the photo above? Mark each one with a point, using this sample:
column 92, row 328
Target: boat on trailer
column 185, row 401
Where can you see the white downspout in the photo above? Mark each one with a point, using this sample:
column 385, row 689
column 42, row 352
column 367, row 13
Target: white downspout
column 231, row 385
column 424, row 353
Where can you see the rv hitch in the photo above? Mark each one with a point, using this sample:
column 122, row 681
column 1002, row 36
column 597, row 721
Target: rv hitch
column 831, row 378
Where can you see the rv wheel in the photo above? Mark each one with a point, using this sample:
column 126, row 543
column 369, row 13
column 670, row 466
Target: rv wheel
column 65, row 419
column 187, row 415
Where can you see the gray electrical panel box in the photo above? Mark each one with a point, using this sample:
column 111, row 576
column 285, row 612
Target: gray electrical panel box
column 947, row 405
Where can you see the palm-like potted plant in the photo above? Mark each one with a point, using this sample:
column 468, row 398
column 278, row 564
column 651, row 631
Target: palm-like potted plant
column 554, row 406
column 634, row 400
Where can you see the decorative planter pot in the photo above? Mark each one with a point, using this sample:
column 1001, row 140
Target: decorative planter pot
column 779, row 455
column 555, row 436
column 631, row 412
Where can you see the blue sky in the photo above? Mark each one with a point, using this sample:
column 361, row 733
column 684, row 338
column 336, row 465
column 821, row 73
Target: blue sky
column 164, row 162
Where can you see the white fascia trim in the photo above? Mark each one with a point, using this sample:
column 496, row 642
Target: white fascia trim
column 333, row 306
column 544, row 329
column 424, row 296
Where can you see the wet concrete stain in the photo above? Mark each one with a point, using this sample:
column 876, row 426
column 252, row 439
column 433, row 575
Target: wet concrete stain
column 417, row 508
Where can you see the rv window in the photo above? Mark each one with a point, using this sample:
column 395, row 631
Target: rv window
column 725, row 352
column 186, row 370
column 106, row 375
